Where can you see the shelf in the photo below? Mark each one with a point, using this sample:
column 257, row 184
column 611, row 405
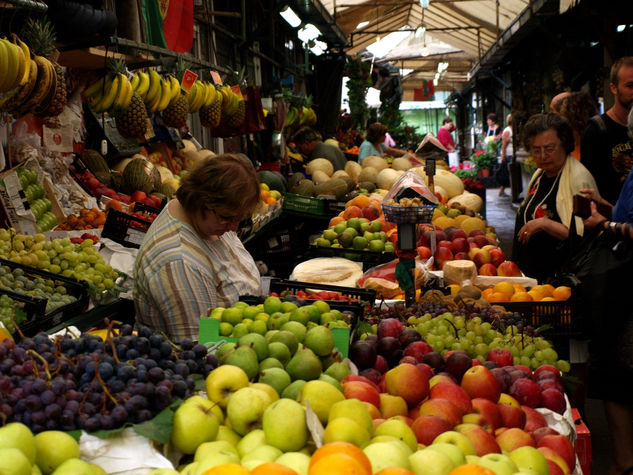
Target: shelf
column 94, row 58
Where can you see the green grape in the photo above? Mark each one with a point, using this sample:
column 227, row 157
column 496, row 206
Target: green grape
column 563, row 365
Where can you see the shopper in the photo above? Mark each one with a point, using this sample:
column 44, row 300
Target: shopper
column 191, row 259
column 577, row 108
column 374, row 145
column 554, row 103
column 543, row 219
column 310, row 144
column 493, row 130
column 606, row 147
column 503, row 174
column 444, row 134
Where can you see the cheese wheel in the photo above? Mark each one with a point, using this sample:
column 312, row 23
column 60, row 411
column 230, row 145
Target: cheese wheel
column 328, row 270
column 456, row 272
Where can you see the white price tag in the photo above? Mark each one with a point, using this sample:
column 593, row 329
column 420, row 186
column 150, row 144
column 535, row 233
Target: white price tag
column 58, row 139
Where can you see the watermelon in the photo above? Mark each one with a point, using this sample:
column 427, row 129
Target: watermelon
column 140, row 174
column 274, row 180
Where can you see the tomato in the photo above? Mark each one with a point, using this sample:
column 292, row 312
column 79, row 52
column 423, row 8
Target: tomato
column 138, row 195
column 301, row 294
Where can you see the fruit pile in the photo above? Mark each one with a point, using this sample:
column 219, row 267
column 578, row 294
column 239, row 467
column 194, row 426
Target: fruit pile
column 508, row 292
column 10, row 315
column 92, row 218
column 317, row 295
column 95, row 187
column 35, row 195
column 92, row 384
column 356, row 233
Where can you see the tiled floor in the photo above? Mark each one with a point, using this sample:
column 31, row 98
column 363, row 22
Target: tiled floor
column 500, row 213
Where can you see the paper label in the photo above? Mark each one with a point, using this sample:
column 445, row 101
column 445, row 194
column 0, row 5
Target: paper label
column 135, row 236
column 237, row 90
column 188, row 79
column 58, row 139
column 216, row 77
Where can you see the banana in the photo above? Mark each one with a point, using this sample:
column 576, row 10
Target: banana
column 94, row 89
column 124, row 95
column 191, row 95
column 154, row 86
column 291, row 118
column 211, row 92
column 21, row 62
column 12, row 68
column 201, row 96
column 165, row 95
column 46, row 79
column 27, row 57
column 226, row 96
column 134, row 82
column 175, row 88
column 152, row 106
column 233, row 105
column 15, row 100
column 110, row 94
column 4, row 65
column 143, row 84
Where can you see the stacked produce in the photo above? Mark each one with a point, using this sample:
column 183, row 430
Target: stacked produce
column 92, row 218
column 35, row 195
column 300, row 113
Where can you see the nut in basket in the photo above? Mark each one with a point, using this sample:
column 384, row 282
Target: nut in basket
column 408, row 210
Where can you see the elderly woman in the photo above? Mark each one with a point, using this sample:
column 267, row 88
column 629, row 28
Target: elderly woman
column 544, row 218
column 374, row 143
column 191, row 258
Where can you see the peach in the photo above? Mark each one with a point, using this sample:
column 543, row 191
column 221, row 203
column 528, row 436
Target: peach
column 513, row 438
column 352, row 212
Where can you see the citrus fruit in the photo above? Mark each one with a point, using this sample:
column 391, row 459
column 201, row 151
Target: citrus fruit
column 471, row 469
column 505, row 288
column 561, row 293
column 344, row 448
column 486, row 293
column 521, row 297
column 226, row 469
column 338, row 464
column 272, row 468
column 498, row 297
column 395, row 471
column 519, row 288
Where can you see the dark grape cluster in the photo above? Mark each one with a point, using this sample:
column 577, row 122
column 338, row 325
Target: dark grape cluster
column 92, row 384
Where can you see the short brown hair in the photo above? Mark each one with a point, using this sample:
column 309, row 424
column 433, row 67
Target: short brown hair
column 492, row 116
column 227, row 181
column 540, row 123
column 578, row 107
column 615, row 69
column 447, row 120
column 375, row 131
column 305, row 135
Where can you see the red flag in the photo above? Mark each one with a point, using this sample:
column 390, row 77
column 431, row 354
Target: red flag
column 177, row 24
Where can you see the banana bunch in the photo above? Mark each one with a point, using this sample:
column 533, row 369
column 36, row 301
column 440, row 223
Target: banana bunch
column 159, row 92
column 292, row 118
column 307, row 116
column 230, row 101
column 201, row 94
column 15, row 63
column 112, row 93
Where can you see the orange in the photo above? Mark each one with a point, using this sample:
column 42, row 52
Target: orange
column 561, row 293
column 361, row 201
column 548, row 299
column 545, row 289
column 471, row 469
column 264, row 194
column 338, row 464
column 226, row 469
column 504, row 287
column 498, row 297
column 536, row 294
column 395, row 471
column 519, row 288
column 376, row 203
column 521, row 297
column 486, row 293
column 335, row 220
column 344, row 448
column 272, row 468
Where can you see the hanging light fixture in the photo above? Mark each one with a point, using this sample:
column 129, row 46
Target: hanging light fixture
column 308, row 32
column 290, row 16
column 419, row 32
column 424, row 3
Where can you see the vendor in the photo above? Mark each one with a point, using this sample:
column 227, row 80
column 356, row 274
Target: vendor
column 191, row 259
column 309, row 143
column 374, row 143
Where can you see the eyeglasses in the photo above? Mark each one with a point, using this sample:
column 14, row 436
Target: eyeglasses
column 226, row 220
column 542, row 151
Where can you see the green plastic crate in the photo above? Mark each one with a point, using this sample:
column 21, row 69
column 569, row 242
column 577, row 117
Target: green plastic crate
column 304, row 204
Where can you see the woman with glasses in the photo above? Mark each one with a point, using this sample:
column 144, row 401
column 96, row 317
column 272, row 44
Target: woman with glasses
column 544, row 218
column 191, row 259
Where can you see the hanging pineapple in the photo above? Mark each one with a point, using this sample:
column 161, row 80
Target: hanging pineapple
column 175, row 115
column 130, row 116
column 40, row 36
column 210, row 114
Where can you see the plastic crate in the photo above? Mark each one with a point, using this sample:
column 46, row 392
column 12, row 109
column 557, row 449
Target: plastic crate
column 37, row 319
column 564, row 317
column 304, row 204
column 362, row 295
column 362, row 255
column 126, row 229
column 408, row 214
column 334, row 207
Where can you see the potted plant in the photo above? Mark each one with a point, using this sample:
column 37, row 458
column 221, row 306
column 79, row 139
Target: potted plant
column 486, row 160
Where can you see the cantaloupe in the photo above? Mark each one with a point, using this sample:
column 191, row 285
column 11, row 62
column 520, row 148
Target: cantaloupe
column 320, row 164
column 378, row 163
column 336, row 187
column 444, row 222
column 353, row 169
column 468, row 200
column 450, row 182
column 319, row 177
column 420, row 171
column 401, row 163
column 387, row 177
column 305, row 187
column 368, row 174
column 470, row 223
column 339, row 174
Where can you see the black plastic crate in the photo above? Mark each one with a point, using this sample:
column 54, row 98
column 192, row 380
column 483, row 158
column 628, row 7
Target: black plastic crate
column 38, row 319
column 564, row 317
column 333, row 207
column 362, row 295
column 124, row 228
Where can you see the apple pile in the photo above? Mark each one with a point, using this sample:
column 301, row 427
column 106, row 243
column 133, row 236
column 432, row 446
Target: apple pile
column 453, row 243
column 357, row 233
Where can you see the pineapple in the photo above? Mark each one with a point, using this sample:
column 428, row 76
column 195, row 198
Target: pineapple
column 40, row 36
column 210, row 116
column 132, row 122
column 237, row 119
column 175, row 115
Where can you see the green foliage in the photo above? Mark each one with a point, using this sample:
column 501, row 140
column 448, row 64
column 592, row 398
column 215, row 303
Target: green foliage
column 487, row 159
column 402, row 133
column 470, row 173
column 359, row 81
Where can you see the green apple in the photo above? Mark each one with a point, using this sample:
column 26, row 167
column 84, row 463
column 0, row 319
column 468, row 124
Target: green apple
column 400, row 430
column 262, row 454
column 18, row 436
column 189, row 469
column 245, row 409
column 499, row 463
column 207, row 448
column 430, row 462
column 194, row 423
column 250, row 441
column 330, row 234
column 376, row 245
column 223, row 381
column 216, row 313
column 14, row 462
column 297, row 461
column 457, row 439
column 96, row 470
column 346, row 430
column 287, row 306
column 359, row 243
column 232, row 315
column 454, row 452
column 76, row 466
column 387, row 454
column 228, row 434
column 163, row 471
column 353, row 409
column 321, row 396
column 284, row 424
column 52, row 448
column 213, row 460
column 240, row 304
column 389, row 247
column 354, row 223
column 528, row 457
column 272, row 304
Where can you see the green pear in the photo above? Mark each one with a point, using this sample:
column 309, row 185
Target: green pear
column 275, row 377
column 321, row 396
column 18, row 436
column 270, row 363
column 288, row 306
column 259, row 326
column 239, row 330
column 213, row 460
column 338, row 370
column 293, row 389
column 287, row 338
column 77, row 466
column 244, row 357
column 333, row 357
column 304, row 365
column 299, row 329
column 330, row 380
column 279, row 351
column 52, row 448
column 14, row 462
column 313, row 311
column 208, row 448
column 257, row 342
column 300, row 315
column 225, row 349
column 320, row 340
column 193, row 424
column 284, row 425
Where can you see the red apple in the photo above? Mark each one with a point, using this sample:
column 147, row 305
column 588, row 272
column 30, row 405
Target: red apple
column 362, row 391
column 481, row 241
column 378, row 421
column 511, row 413
column 554, row 468
column 453, row 393
column 546, row 368
column 533, row 419
column 488, row 414
column 562, row 446
column 541, row 432
column 559, row 462
column 460, row 245
column 481, row 257
column 371, row 212
column 478, row 381
column 374, row 412
column 443, row 255
column 458, row 233
column 487, row 269
column 483, row 442
column 424, row 252
column 426, row 369
column 500, row 356
column 381, row 364
column 418, row 349
column 476, row 232
column 389, row 327
column 508, row 269
column 497, row 256
column 446, row 244
column 391, row 406
column 554, row 400
column 408, row 382
column 513, row 438
column 526, row 392
column 440, row 235
column 442, row 408
column 427, row 427
column 441, row 377
column 461, row 256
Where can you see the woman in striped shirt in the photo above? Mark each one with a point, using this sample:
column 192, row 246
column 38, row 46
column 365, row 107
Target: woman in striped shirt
column 191, row 259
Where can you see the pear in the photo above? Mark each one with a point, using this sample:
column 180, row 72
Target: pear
column 279, row 351
column 275, row 377
column 299, row 329
column 224, row 350
column 287, row 338
column 244, row 357
column 320, row 340
column 18, row 436
column 14, row 462
column 293, row 389
column 333, row 357
column 304, row 365
column 52, row 448
column 337, row 370
column 270, row 363
column 257, row 342
column 330, row 380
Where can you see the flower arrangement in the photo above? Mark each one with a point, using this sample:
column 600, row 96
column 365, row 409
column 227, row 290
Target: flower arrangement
column 487, row 159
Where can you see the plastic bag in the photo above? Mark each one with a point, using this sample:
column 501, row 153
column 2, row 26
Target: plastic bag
column 410, row 185
column 372, row 278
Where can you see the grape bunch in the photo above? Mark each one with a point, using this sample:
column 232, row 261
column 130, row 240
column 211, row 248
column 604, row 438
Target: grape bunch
column 59, row 256
column 91, row 384
column 7, row 316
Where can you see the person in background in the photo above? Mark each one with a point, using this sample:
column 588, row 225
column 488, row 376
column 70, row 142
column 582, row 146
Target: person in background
column 544, row 218
column 606, row 147
column 493, row 129
column 310, row 144
column 577, row 107
column 506, row 155
column 191, row 259
column 444, row 134
column 553, row 105
column 374, row 145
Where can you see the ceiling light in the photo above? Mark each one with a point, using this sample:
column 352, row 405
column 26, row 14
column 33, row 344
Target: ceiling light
column 308, row 32
column 290, row 16
column 419, row 32
column 362, row 24
column 442, row 66
column 424, row 3
column 316, row 50
column 620, row 28
column 425, row 50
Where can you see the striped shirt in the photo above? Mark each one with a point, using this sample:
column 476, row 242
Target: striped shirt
column 178, row 276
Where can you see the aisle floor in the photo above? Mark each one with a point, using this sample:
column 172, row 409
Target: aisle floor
column 500, row 213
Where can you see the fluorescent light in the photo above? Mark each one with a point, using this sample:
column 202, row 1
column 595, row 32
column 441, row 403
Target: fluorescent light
column 316, row 50
column 424, row 3
column 620, row 28
column 362, row 24
column 290, row 16
column 320, row 44
column 419, row 32
column 308, row 32
column 441, row 67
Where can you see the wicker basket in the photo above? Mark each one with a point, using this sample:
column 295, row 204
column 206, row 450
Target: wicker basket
column 408, row 214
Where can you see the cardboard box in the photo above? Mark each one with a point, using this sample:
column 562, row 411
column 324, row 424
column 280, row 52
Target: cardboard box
column 583, row 442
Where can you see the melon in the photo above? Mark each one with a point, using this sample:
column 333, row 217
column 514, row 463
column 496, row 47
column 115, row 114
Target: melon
column 468, row 200
column 458, row 271
column 422, row 173
column 444, row 222
column 336, row 187
column 353, row 169
column 319, row 177
column 378, row 163
column 274, row 180
column 320, row 164
column 140, row 174
column 333, row 142
column 97, row 165
column 120, row 166
column 387, row 177
column 367, row 185
column 470, row 224
column 368, row 174
column 294, row 179
column 450, row 182
column 340, row 174
column 328, row 270
column 165, row 173
column 401, row 163
column 305, row 188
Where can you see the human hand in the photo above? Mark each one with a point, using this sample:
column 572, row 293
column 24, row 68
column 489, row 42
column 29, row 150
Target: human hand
column 593, row 195
column 530, row 228
column 592, row 221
